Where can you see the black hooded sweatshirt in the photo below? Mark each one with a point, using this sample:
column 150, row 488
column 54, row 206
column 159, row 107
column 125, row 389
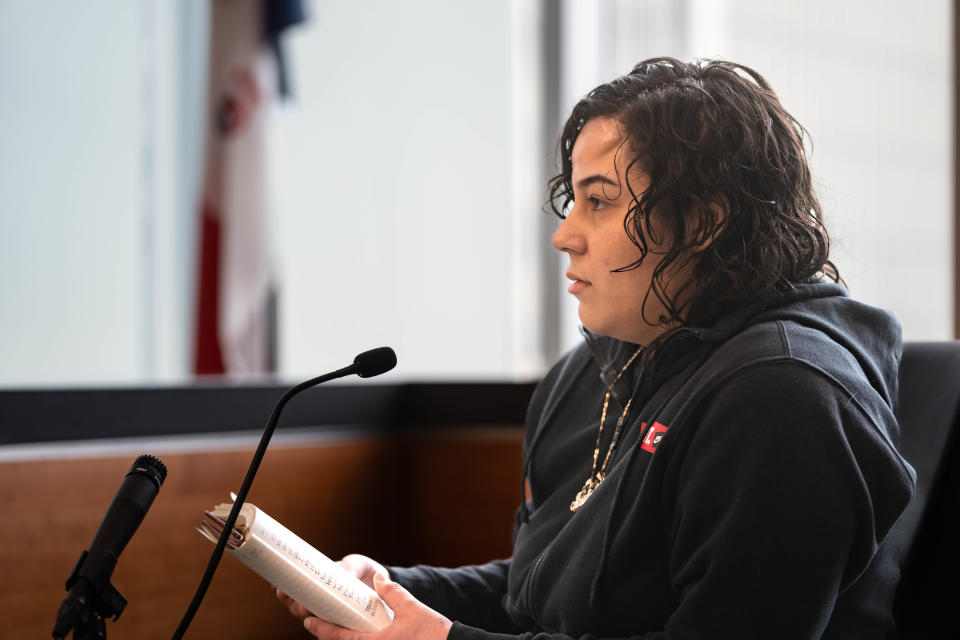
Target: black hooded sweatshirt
column 753, row 493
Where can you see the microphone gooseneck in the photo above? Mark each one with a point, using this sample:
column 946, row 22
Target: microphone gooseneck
column 366, row 365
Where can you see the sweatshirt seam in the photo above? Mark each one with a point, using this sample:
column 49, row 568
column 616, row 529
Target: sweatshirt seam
column 784, row 338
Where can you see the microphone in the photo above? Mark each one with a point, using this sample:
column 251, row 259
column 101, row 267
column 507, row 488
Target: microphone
column 374, row 362
column 366, row 365
column 91, row 597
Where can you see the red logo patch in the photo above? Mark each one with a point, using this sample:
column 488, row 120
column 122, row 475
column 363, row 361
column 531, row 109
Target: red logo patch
column 652, row 439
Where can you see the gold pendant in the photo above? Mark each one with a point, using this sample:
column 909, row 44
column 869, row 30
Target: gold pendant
column 588, row 488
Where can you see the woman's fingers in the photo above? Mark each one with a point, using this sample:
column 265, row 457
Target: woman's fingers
column 327, row 631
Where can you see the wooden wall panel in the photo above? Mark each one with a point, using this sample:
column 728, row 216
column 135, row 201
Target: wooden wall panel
column 462, row 490
column 441, row 497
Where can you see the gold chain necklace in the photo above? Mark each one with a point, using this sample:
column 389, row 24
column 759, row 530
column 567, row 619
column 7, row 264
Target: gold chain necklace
column 596, row 477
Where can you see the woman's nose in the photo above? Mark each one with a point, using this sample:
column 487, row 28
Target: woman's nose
column 567, row 238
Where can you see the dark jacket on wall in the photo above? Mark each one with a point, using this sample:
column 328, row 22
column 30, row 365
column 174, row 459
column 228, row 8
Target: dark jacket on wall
column 753, row 493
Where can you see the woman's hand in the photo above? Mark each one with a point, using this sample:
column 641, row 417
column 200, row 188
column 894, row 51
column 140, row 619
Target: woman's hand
column 412, row 620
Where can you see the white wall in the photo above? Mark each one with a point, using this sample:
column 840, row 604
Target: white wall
column 70, row 183
column 399, row 203
column 94, row 164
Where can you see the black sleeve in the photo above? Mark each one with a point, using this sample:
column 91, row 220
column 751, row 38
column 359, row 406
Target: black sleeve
column 472, row 595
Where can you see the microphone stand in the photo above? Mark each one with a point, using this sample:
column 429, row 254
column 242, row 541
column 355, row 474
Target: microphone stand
column 83, row 611
column 85, row 615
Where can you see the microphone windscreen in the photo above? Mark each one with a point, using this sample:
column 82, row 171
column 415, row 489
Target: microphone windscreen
column 151, row 467
column 374, row 362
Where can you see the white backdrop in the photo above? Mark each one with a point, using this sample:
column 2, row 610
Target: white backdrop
column 413, row 195
column 399, row 227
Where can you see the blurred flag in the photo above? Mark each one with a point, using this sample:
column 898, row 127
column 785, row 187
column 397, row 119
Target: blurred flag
column 236, row 291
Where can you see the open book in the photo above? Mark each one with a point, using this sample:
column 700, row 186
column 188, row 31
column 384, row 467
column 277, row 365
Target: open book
column 322, row 586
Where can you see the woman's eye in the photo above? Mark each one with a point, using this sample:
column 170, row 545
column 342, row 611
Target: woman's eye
column 596, row 202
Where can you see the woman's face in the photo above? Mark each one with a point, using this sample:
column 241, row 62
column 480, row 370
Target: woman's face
column 593, row 236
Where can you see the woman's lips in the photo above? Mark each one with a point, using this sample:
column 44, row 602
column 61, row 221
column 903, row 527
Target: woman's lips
column 577, row 285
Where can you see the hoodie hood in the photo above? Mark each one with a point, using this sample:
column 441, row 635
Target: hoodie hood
column 872, row 336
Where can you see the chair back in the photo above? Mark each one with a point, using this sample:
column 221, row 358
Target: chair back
column 928, row 411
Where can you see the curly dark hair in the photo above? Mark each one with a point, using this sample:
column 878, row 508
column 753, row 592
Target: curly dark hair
column 729, row 183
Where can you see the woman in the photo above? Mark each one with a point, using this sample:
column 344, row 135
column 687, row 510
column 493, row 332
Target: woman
column 718, row 458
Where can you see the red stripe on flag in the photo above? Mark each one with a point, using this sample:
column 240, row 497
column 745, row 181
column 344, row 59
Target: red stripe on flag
column 207, row 355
